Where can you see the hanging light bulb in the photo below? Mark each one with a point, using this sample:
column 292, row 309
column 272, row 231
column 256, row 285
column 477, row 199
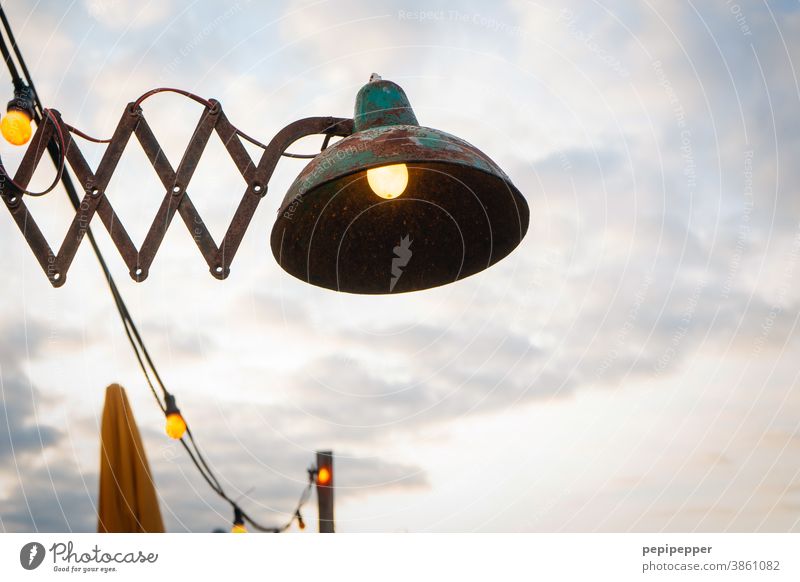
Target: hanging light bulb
column 16, row 124
column 176, row 426
column 238, row 521
column 323, row 476
column 388, row 181
column 300, row 523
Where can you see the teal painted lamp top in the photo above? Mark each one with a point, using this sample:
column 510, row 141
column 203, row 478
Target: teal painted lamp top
column 457, row 213
column 380, row 103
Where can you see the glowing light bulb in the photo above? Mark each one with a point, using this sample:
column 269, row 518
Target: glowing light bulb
column 176, row 426
column 16, row 127
column 238, row 521
column 388, row 181
column 324, row 476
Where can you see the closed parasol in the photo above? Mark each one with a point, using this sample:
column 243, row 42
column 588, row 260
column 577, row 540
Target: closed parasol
column 128, row 501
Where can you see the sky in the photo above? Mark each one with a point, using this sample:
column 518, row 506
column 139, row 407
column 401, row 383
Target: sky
column 632, row 366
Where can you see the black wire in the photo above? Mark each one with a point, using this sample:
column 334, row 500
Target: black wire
column 299, row 156
column 23, row 66
column 12, row 68
column 325, row 143
column 201, row 457
column 85, row 136
column 188, row 94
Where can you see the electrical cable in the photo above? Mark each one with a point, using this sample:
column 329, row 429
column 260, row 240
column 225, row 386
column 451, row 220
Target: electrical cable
column 78, row 132
column 61, row 158
column 188, row 94
column 208, row 104
column 12, row 67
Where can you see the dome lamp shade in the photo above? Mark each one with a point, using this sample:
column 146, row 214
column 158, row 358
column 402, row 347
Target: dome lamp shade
column 396, row 207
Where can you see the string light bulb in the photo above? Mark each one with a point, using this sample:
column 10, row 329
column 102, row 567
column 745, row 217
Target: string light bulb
column 176, row 426
column 16, row 124
column 323, row 476
column 388, row 181
column 238, row 521
column 300, row 522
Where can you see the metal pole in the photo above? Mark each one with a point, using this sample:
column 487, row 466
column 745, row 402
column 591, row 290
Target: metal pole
column 325, row 491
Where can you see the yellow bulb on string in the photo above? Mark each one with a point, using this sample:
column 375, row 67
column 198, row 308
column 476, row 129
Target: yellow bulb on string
column 16, row 127
column 323, row 476
column 176, row 426
column 238, row 528
column 388, row 181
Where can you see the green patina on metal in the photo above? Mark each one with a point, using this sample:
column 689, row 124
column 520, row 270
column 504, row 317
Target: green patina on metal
column 391, row 144
column 380, row 103
column 458, row 214
column 386, row 132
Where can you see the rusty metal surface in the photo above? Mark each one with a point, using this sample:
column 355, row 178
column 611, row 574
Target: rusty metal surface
column 458, row 215
column 176, row 184
column 390, row 144
column 380, row 103
column 452, row 222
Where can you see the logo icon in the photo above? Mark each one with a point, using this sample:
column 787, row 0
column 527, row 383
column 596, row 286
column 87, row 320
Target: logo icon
column 402, row 256
column 31, row 555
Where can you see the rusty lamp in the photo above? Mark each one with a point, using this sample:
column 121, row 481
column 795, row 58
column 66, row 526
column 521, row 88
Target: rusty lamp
column 391, row 207
column 396, row 206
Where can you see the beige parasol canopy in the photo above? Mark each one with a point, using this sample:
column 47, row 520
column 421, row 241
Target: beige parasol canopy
column 128, row 501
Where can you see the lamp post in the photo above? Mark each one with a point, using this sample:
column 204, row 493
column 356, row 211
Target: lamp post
column 392, row 207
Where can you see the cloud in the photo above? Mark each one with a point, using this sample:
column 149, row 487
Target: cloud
column 264, row 467
column 21, row 431
column 122, row 15
column 33, row 495
column 58, row 497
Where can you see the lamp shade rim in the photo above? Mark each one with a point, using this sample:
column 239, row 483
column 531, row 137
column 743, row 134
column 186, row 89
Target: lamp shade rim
column 343, row 237
column 388, row 145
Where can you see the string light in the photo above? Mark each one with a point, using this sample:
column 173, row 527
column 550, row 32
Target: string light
column 238, row 521
column 16, row 125
column 176, row 425
column 300, row 523
column 323, row 476
column 27, row 106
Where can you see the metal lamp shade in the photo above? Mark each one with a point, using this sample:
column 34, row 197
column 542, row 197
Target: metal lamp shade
column 458, row 215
